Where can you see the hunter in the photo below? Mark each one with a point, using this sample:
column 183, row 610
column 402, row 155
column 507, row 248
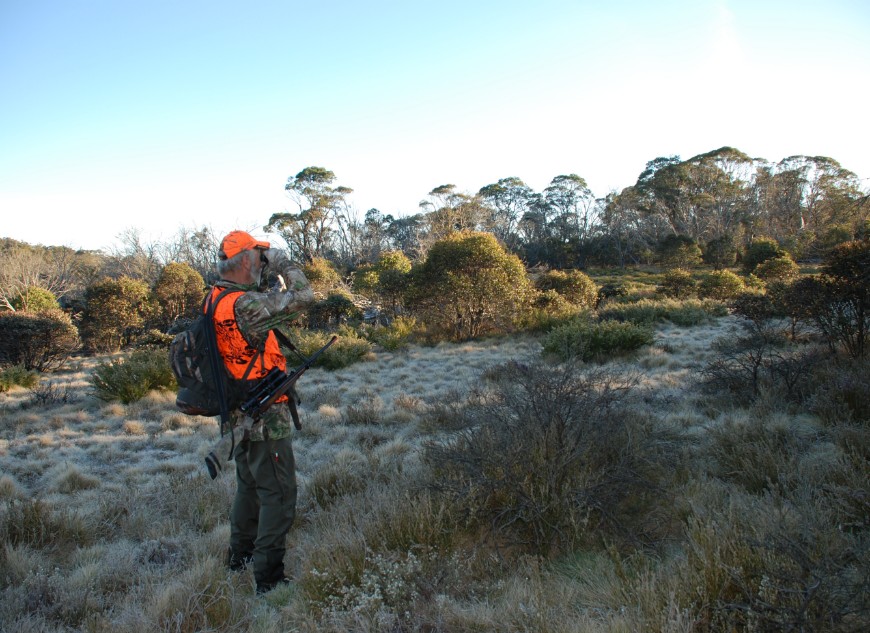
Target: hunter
column 265, row 502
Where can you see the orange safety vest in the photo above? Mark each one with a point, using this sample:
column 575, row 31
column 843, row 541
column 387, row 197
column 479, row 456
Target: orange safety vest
column 235, row 350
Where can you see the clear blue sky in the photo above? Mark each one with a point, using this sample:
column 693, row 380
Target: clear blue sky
column 162, row 114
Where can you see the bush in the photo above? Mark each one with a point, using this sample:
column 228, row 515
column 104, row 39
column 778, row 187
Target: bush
column 575, row 286
column 780, row 269
column 678, row 251
column 41, row 342
column 335, row 309
column 588, row 340
column 649, row 312
column 548, row 461
column 469, row 286
column 759, row 251
column 546, row 310
column 720, row 252
column 678, row 284
column 347, row 350
column 720, row 285
column 322, row 276
column 115, row 313
column 17, row 375
column 394, row 336
column 36, row 299
column 129, row 379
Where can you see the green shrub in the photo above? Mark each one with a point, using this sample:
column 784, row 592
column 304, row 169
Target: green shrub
column 350, row 348
column 468, row 286
column 394, row 336
column 678, row 284
column 720, row 285
column 17, row 375
column 678, row 251
column 35, row 299
column 760, row 250
column 781, row 268
column 322, row 275
column 130, row 378
column 720, row 252
column 588, row 340
column 41, row 342
column 336, row 308
column 649, row 311
column 546, row 310
column 575, row 286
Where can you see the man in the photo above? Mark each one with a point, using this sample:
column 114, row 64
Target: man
column 265, row 503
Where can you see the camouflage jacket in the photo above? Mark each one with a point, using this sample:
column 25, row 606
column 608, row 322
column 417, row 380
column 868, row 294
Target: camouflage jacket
column 257, row 313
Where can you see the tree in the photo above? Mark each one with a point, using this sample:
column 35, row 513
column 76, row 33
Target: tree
column 468, row 286
column 308, row 232
column 178, row 292
column 505, row 202
column 115, row 312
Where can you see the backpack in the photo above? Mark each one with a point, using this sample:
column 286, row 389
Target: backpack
column 205, row 386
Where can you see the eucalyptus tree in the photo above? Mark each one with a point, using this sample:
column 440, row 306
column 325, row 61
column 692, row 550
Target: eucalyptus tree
column 447, row 211
column 308, row 233
column 504, row 204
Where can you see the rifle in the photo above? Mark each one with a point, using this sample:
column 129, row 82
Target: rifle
column 271, row 387
column 275, row 384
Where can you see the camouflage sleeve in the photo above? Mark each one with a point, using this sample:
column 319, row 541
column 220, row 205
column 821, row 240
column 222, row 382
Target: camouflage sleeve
column 259, row 312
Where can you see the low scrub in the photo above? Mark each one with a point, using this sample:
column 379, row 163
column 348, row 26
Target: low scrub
column 550, row 461
column 589, row 340
column 394, row 336
column 130, row 378
column 687, row 313
column 350, row 348
column 40, row 341
column 17, row 376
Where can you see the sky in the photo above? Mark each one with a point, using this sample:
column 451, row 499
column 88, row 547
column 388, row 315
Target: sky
column 163, row 115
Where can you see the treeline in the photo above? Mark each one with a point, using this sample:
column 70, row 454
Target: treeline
column 719, row 201
column 459, row 265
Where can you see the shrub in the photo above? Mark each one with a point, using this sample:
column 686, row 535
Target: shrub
column 780, row 269
column 678, row 284
column 720, row 252
column 720, row 285
column 36, row 299
column 335, row 309
column 575, row 286
column 178, row 292
column 759, row 251
column 17, row 375
column 394, row 336
column 347, row 350
column 322, row 275
column 129, row 379
column 468, row 286
column 546, row 310
column 678, row 251
column 648, row 311
column 548, row 460
column 41, row 342
column 587, row 340
column 115, row 312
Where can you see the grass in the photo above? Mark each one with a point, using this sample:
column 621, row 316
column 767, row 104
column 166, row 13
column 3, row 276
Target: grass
column 108, row 521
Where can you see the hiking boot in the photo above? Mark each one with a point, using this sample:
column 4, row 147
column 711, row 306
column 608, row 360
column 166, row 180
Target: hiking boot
column 238, row 563
column 265, row 587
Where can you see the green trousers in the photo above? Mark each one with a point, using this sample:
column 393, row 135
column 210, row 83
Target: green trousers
column 264, row 507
